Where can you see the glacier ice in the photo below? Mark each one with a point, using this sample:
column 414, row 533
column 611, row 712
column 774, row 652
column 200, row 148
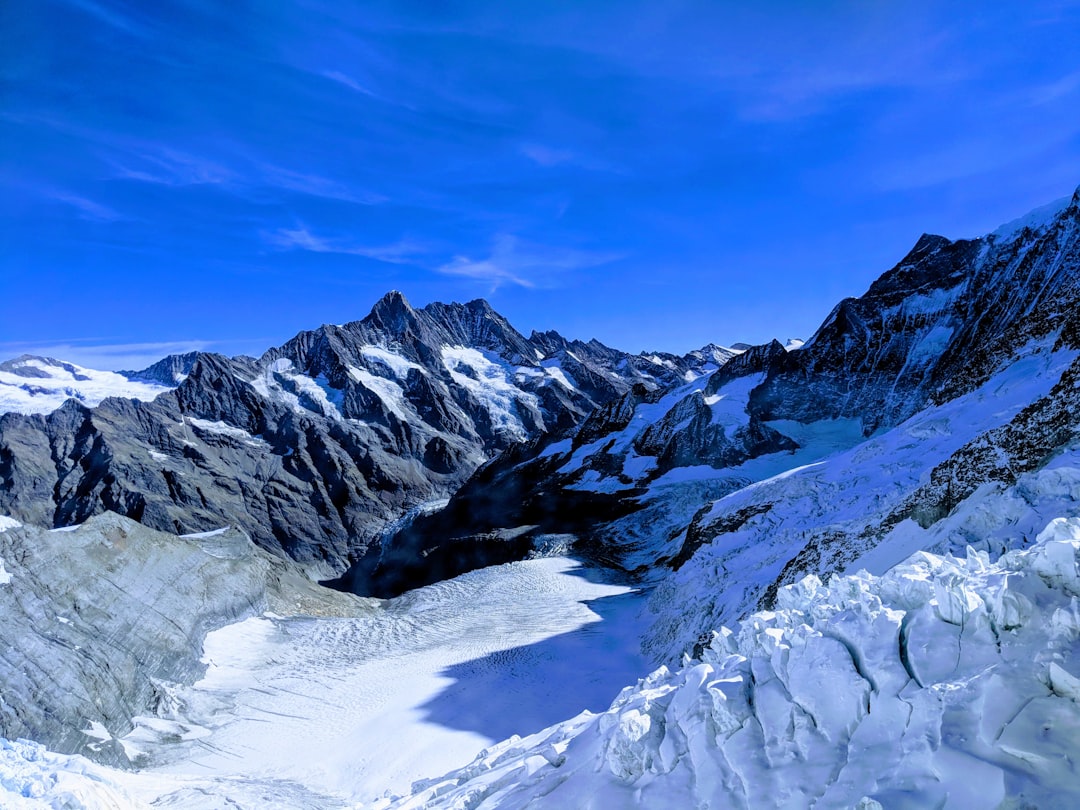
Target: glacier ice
column 945, row 682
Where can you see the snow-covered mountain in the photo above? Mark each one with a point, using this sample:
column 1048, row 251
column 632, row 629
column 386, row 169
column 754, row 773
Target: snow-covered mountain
column 313, row 447
column 954, row 371
column 30, row 384
column 855, row 560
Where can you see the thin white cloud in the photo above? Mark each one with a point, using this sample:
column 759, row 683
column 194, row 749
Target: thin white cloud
column 492, row 271
column 171, row 167
column 348, row 81
column 1054, row 91
column 513, row 261
column 300, row 238
column 87, row 208
column 549, row 156
column 545, row 155
column 110, row 17
column 315, row 185
column 106, row 356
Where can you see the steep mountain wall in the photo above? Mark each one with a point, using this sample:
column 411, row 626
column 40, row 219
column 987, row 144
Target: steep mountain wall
column 314, row 447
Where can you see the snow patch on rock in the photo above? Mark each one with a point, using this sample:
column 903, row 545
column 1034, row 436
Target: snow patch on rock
column 489, row 382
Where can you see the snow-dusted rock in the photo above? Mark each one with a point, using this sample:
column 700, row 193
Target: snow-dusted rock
column 314, row 447
column 955, row 370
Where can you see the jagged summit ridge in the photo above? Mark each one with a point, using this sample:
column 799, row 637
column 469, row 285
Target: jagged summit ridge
column 312, row 447
column 686, row 471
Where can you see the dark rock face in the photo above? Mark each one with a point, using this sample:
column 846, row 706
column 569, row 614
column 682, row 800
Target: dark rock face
column 935, row 326
column 171, row 370
column 317, row 444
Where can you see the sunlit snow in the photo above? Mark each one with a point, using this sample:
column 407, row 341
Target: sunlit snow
column 41, row 385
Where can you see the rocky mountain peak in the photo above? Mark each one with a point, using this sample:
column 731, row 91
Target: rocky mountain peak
column 29, row 365
column 392, row 313
column 171, row 370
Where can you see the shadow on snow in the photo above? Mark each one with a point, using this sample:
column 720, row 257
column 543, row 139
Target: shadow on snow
column 525, row 689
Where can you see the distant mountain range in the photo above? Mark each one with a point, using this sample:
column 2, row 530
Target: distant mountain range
column 315, row 446
column 952, row 373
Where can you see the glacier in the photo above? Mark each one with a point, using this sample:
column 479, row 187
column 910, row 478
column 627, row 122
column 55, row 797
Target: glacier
column 945, row 682
column 948, row 681
column 30, row 385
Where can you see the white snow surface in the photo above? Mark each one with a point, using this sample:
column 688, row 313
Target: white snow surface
column 950, row 683
column 490, row 381
column 335, row 712
column 61, row 381
column 1036, row 219
column 389, row 392
column 32, row 778
column 222, row 429
column 280, row 380
column 397, row 364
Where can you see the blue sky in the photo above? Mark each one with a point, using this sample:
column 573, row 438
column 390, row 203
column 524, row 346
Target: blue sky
column 658, row 175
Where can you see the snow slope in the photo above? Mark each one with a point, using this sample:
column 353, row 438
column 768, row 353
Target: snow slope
column 41, row 385
column 358, row 707
column 832, row 497
column 944, row 683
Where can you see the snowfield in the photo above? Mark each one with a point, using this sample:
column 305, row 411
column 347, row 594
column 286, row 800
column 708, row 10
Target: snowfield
column 330, row 713
column 360, row 706
column 42, row 384
column 945, row 682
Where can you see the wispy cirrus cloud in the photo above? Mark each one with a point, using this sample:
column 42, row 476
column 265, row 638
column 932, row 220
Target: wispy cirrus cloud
column 348, row 81
column 102, row 12
column 166, row 166
column 315, row 185
column 547, row 156
column 87, row 209
column 300, row 238
column 529, row 265
column 87, row 352
column 170, row 167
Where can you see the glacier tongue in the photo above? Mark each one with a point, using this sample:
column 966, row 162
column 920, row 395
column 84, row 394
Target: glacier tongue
column 945, row 682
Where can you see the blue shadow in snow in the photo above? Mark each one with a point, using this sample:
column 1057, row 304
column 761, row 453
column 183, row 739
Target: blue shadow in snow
column 525, row 689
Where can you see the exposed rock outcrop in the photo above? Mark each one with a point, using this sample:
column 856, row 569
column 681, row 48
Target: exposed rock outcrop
column 100, row 622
